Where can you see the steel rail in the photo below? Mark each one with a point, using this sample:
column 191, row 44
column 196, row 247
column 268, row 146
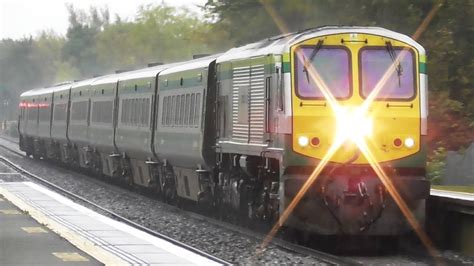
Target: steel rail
column 278, row 242
column 110, row 213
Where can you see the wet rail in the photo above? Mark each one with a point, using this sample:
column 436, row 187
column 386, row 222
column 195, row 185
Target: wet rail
column 109, row 213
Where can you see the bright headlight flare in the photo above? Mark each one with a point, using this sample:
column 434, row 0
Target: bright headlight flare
column 303, row 141
column 352, row 124
column 409, row 142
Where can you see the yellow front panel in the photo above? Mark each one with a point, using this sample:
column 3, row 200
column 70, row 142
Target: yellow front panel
column 390, row 119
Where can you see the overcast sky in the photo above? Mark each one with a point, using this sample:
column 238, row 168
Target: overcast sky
column 20, row 18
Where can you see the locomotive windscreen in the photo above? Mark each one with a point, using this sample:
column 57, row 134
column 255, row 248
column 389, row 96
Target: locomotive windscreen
column 331, row 63
column 375, row 62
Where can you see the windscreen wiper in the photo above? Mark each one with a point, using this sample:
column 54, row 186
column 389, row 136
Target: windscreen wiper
column 393, row 55
column 311, row 57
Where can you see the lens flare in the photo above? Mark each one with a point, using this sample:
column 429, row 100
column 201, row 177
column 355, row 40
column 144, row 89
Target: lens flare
column 360, row 140
column 352, row 124
column 387, row 182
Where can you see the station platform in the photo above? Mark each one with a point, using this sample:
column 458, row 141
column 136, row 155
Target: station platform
column 23, row 241
column 79, row 233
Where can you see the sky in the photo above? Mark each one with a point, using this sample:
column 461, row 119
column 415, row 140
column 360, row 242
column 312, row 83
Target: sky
column 22, row 18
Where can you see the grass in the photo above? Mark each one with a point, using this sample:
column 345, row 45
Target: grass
column 467, row 189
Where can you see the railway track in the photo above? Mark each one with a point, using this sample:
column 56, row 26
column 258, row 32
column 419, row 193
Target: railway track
column 109, row 213
column 321, row 256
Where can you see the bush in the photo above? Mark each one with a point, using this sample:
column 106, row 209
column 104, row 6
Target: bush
column 436, row 165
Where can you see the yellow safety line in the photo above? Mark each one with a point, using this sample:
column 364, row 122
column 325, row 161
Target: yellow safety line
column 34, row 230
column 70, row 256
column 79, row 241
column 10, row 212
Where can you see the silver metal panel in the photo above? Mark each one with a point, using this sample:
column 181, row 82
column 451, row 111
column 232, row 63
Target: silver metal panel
column 240, row 90
column 257, row 104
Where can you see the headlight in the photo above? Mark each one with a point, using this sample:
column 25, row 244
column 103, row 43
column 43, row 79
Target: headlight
column 353, row 124
column 409, row 142
column 303, row 141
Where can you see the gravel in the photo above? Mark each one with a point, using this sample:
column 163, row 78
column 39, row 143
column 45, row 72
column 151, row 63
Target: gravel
column 168, row 220
column 221, row 242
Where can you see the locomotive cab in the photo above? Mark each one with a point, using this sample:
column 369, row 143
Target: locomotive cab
column 358, row 99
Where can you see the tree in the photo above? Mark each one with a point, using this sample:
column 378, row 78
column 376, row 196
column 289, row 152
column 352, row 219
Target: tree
column 79, row 49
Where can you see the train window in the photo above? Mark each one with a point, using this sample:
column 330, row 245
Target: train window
column 197, row 109
column 186, row 117
column 44, row 112
column 123, row 110
column 33, row 113
column 176, row 113
column 181, row 117
column 102, row 112
column 147, row 112
column 164, row 111
column 138, row 111
column 400, row 67
column 144, row 113
column 79, row 111
column 144, row 116
column 191, row 108
column 59, row 112
column 171, row 111
column 333, row 66
column 134, row 111
column 128, row 116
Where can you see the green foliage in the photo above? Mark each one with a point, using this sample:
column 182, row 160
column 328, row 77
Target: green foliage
column 96, row 45
column 466, row 189
column 159, row 34
column 449, row 123
column 436, row 165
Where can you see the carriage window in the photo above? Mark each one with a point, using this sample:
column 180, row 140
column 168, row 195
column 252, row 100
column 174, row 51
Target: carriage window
column 181, row 117
column 177, row 108
column 171, row 111
column 102, row 112
column 79, row 111
column 146, row 112
column 164, row 111
column 32, row 112
column 333, row 66
column 60, row 112
column 197, row 109
column 44, row 112
column 186, row 118
column 397, row 69
column 191, row 107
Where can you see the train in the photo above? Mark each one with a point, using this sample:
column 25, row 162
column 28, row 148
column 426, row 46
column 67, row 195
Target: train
column 240, row 132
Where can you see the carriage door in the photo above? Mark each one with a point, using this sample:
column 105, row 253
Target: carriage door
column 248, row 100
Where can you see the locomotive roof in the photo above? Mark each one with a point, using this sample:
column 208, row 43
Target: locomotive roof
column 282, row 43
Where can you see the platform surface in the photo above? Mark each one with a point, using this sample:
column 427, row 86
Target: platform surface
column 108, row 241
column 454, row 195
column 23, row 241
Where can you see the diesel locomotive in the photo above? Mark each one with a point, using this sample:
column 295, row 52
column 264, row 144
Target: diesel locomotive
column 241, row 131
